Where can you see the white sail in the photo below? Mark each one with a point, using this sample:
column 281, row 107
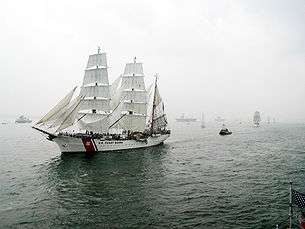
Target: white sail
column 95, row 91
column 115, row 93
column 98, row 59
column 137, row 108
column 133, row 69
column 54, row 113
column 71, row 114
column 114, row 87
column 137, row 96
column 95, row 123
column 133, row 81
column 97, row 75
column 132, row 122
column 90, row 103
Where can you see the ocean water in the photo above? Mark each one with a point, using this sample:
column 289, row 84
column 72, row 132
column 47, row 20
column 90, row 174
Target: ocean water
column 198, row 179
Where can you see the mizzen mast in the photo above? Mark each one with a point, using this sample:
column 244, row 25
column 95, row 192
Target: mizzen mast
column 154, row 105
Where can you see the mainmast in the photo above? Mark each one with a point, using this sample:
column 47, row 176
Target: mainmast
column 132, row 97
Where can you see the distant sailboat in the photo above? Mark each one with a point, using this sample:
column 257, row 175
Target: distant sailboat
column 256, row 118
column 202, row 121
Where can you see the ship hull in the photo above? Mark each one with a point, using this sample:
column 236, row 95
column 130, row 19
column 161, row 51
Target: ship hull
column 69, row 144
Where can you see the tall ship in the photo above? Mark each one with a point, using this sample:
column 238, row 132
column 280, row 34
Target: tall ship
column 104, row 117
column 23, row 119
column 182, row 118
column 256, row 118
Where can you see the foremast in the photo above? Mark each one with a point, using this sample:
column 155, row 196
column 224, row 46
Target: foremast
column 95, row 107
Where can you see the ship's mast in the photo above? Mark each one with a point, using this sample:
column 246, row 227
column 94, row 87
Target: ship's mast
column 154, row 106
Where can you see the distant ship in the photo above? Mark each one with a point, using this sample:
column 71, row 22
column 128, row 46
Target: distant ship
column 219, row 119
column 224, row 130
column 256, row 118
column 23, row 119
column 107, row 117
column 185, row 119
column 202, row 121
column 268, row 120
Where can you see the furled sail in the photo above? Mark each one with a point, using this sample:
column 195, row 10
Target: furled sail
column 56, row 111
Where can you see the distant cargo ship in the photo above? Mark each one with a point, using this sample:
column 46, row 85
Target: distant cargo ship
column 23, row 119
column 185, row 119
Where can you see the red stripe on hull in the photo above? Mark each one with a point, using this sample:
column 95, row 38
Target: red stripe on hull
column 88, row 144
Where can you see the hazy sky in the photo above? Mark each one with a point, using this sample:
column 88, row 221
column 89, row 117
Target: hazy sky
column 222, row 57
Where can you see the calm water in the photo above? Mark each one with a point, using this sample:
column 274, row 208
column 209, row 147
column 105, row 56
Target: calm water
column 198, row 179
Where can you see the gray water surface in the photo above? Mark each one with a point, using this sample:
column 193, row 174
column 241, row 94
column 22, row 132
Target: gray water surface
column 198, row 179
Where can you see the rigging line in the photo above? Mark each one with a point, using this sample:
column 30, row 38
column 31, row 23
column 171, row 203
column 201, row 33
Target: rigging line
column 113, row 111
column 43, row 131
column 117, row 120
column 80, row 118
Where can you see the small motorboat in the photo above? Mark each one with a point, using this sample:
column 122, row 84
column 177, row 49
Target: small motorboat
column 224, row 131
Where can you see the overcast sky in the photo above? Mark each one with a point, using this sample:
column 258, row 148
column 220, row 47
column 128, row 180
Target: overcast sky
column 220, row 57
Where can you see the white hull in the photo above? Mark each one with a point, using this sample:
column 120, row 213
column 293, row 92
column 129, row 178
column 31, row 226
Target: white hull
column 89, row 145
